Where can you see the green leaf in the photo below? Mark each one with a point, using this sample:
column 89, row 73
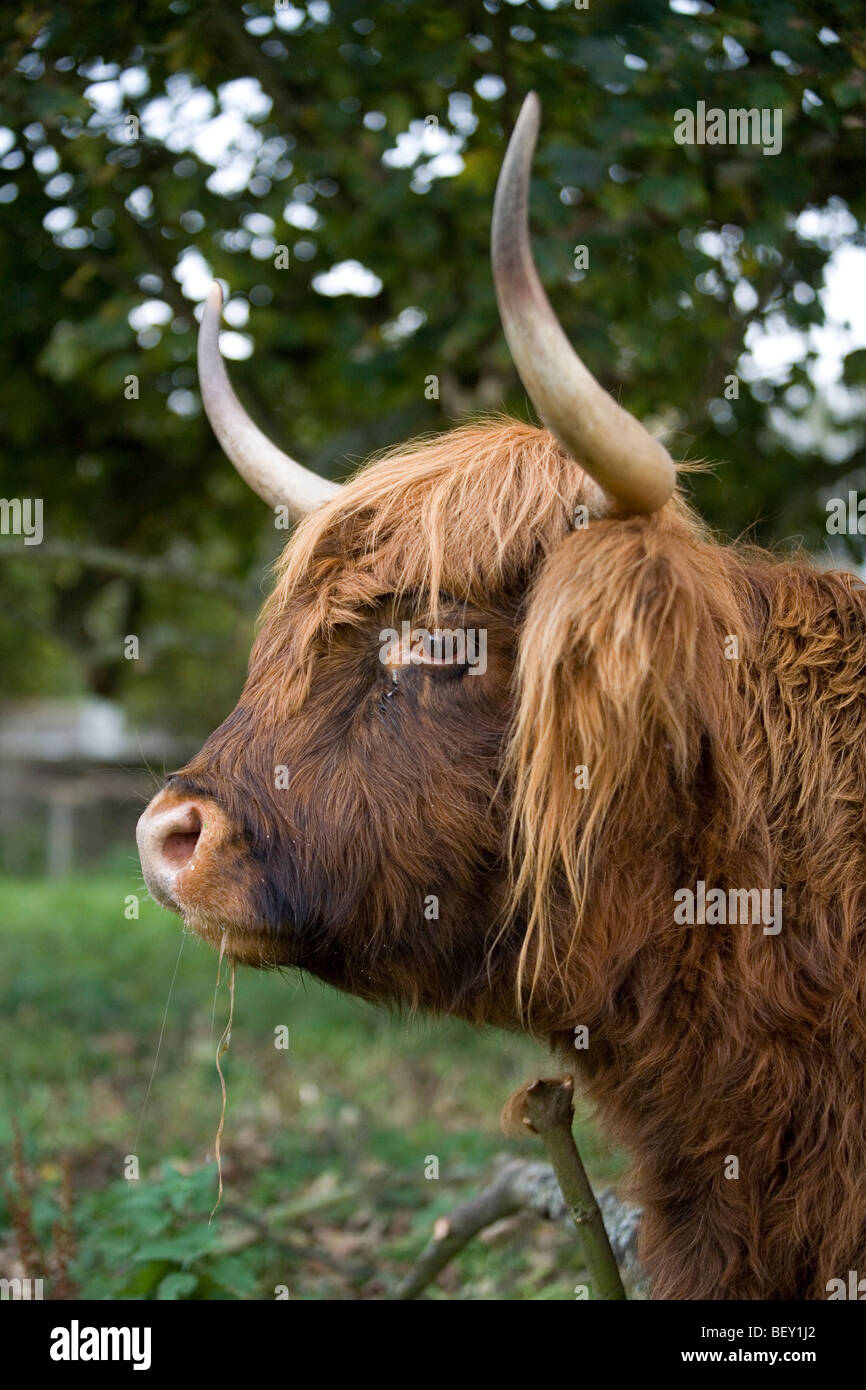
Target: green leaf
column 177, row 1285
column 854, row 368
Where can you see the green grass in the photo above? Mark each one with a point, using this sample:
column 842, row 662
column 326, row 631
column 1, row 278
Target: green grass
column 325, row 1142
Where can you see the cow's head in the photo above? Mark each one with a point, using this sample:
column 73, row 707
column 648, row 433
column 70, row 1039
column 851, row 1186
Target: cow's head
column 353, row 815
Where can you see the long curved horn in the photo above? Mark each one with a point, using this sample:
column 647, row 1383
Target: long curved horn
column 634, row 470
column 276, row 478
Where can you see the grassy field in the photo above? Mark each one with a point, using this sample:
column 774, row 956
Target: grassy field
column 326, row 1141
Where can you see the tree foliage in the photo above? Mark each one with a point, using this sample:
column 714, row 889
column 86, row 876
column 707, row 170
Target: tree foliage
column 374, row 134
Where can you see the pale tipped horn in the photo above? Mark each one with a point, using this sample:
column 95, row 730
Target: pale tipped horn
column 275, row 477
column 633, row 469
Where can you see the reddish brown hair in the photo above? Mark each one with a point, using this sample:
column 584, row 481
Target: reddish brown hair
column 740, row 763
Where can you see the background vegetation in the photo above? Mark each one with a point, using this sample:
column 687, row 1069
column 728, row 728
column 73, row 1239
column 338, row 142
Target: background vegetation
column 307, row 114
column 326, row 1143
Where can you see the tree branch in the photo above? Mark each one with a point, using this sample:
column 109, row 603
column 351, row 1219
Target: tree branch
column 523, row 1186
column 550, row 1114
column 156, row 568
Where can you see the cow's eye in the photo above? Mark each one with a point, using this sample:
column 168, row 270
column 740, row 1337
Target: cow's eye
column 436, row 649
column 445, row 650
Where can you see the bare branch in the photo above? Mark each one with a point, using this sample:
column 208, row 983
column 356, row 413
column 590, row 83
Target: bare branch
column 153, row 568
column 522, row 1186
column 550, row 1113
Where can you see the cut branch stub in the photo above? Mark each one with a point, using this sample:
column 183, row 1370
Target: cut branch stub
column 546, row 1107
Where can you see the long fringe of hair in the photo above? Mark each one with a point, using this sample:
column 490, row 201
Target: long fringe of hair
column 682, row 710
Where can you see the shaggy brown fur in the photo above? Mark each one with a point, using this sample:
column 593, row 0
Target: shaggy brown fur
column 606, row 648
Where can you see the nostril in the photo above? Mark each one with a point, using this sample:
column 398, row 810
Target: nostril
column 179, row 844
column 178, row 848
column 168, row 838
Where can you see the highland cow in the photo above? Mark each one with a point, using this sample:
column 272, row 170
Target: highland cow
column 657, row 711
